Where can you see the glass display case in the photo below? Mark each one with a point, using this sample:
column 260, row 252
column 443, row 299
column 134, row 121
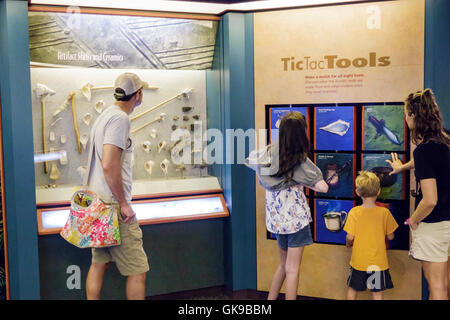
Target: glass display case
column 74, row 62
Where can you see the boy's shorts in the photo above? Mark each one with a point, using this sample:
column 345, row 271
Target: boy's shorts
column 129, row 256
column 431, row 242
column 375, row 281
column 301, row 238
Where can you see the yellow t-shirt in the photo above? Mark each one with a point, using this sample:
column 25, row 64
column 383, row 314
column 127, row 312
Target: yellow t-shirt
column 369, row 226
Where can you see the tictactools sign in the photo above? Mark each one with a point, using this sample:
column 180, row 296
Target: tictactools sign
column 363, row 52
column 334, row 61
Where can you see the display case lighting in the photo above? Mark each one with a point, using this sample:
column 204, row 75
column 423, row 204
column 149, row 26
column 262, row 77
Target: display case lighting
column 51, row 220
column 191, row 6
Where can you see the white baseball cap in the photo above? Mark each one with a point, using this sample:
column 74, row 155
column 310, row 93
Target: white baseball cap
column 128, row 82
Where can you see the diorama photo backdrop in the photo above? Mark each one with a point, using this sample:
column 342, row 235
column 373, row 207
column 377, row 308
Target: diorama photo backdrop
column 368, row 54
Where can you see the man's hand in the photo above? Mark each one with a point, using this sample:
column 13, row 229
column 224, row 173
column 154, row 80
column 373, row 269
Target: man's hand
column 127, row 213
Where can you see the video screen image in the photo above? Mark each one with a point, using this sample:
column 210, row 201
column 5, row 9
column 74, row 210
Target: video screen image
column 330, row 217
column 338, row 171
column 277, row 113
column 334, row 128
column 392, row 186
column 383, row 128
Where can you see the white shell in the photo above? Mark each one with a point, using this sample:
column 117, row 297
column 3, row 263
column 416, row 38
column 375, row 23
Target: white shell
column 99, row 106
column 164, row 165
column 161, row 145
column 84, row 140
column 148, row 166
column 186, row 93
column 52, row 136
column 55, row 174
column 153, row 133
column 146, row 146
column 82, row 171
column 86, row 90
column 42, row 90
column 63, row 139
column 63, row 160
column 162, row 116
column 87, row 118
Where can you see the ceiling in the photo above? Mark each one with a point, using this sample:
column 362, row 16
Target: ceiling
column 212, row 7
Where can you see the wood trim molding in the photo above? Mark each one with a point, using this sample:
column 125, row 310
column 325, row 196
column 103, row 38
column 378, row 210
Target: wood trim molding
column 125, row 12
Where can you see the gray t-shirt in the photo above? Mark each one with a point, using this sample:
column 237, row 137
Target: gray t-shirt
column 111, row 127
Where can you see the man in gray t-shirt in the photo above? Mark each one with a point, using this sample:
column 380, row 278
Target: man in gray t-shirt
column 110, row 176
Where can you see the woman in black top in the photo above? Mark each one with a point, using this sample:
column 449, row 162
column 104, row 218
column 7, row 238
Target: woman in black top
column 430, row 222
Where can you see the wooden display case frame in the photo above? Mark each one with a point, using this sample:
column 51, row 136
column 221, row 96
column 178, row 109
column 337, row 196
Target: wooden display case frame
column 149, row 199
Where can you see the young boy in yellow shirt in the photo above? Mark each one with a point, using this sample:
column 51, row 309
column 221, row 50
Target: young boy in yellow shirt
column 368, row 226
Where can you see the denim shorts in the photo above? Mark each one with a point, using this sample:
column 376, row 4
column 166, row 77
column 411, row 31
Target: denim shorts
column 301, row 238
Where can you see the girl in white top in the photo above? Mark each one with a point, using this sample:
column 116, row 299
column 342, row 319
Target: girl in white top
column 287, row 212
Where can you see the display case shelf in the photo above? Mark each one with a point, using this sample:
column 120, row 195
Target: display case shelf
column 148, row 211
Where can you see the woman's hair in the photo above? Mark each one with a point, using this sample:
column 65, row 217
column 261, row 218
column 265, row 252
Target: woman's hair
column 293, row 143
column 367, row 184
column 427, row 118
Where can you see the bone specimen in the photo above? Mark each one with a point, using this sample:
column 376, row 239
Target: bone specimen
column 55, row 174
column 87, row 89
column 75, row 125
column 148, row 166
column 63, row 139
column 63, row 158
column 157, row 119
column 174, row 127
column 182, row 94
column 161, row 146
column 52, row 136
column 175, row 118
column 64, row 105
column 84, row 140
column 99, row 106
column 153, row 133
column 87, row 118
column 146, row 146
column 54, row 122
column 186, row 109
column 196, row 117
column 42, row 91
column 164, row 165
column 185, row 118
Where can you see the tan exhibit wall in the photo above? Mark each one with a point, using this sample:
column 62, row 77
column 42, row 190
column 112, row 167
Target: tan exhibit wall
column 370, row 52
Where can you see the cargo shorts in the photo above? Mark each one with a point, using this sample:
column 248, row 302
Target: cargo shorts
column 129, row 256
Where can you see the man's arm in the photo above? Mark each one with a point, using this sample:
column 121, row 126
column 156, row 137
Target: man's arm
column 112, row 171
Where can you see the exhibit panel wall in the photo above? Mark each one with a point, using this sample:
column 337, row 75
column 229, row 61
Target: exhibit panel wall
column 346, row 55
